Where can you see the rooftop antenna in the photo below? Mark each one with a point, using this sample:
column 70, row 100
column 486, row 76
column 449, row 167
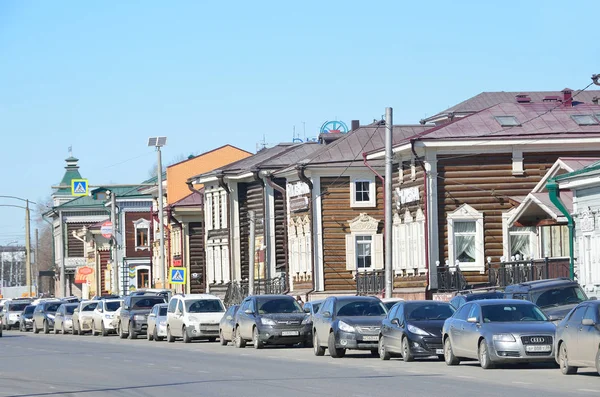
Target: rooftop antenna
column 294, row 134
column 304, row 129
column 70, row 151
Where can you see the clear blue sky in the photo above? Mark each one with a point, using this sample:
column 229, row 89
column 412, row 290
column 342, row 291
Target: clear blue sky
column 104, row 76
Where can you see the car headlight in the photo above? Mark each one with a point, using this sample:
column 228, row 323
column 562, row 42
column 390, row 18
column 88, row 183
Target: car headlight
column 416, row 330
column 345, row 327
column 109, row 316
column 139, row 317
column 267, row 321
column 504, row 338
column 306, row 320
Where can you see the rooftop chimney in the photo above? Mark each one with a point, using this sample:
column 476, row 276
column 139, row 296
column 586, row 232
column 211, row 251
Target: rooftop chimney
column 551, row 98
column 355, row 125
column 523, row 98
column 567, row 97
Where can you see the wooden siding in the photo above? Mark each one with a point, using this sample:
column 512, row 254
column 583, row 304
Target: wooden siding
column 486, row 183
column 250, row 198
column 104, row 258
column 129, row 228
column 74, row 246
column 197, row 258
column 280, row 229
column 336, row 212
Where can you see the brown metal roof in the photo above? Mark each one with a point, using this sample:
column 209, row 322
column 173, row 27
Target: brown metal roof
column 191, row 200
column 578, row 163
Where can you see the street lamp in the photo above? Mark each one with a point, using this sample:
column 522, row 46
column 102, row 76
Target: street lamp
column 159, row 142
column 27, row 237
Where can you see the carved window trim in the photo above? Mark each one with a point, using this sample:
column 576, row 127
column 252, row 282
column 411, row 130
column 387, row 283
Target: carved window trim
column 139, row 225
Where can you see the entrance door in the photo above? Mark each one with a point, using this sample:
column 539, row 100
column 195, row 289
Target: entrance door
column 143, row 278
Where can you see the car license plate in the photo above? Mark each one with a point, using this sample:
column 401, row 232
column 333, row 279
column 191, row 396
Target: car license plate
column 290, row 333
column 373, row 338
column 439, row 351
column 538, row 348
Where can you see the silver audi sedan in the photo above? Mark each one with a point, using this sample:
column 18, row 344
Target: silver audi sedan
column 498, row 331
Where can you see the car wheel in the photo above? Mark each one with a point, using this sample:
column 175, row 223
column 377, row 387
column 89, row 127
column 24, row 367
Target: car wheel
column 449, row 356
column 80, row 330
column 103, row 330
column 184, row 335
column 240, row 342
column 598, row 361
column 383, row 353
column 75, row 330
column 93, row 332
column 407, row 356
column 170, row 338
column 46, row 327
column 122, row 333
column 563, row 361
column 55, row 329
column 21, row 327
column 333, row 351
column 317, row 349
column 150, row 335
column 132, row 334
column 63, row 330
column 256, row 339
column 484, row 356
column 35, row 328
column 222, row 340
column 155, row 335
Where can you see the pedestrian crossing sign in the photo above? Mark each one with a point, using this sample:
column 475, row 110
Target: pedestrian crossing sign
column 79, row 187
column 177, row 275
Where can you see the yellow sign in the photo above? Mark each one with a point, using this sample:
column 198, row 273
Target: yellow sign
column 177, row 275
column 79, row 187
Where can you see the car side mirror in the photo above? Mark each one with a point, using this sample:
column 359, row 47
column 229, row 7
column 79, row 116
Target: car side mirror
column 327, row 314
column 152, row 315
column 306, row 309
column 248, row 311
column 472, row 320
column 229, row 317
column 587, row 321
column 395, row 321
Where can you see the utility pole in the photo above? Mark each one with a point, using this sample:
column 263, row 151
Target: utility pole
column 161, row 226
column 114, row 248
column 389, row 281
column 251, row 254
column 37, row 263
column 27, row 247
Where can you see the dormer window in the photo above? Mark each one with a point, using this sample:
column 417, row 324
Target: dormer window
column 507, row 121
column 584, row 119
column 142, row 234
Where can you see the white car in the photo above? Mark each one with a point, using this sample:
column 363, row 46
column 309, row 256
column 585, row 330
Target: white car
column 157, row 322
column 82, row 317
column 194, row 316
column 103, row 316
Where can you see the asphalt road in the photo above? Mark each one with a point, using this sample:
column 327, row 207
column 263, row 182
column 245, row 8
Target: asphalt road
column 57, row 365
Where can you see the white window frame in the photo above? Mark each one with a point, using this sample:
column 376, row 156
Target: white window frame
column 372, row 202
column 141, row 224
column 364, row 225
column 533, row 241
column 363, row 239
column 466, row 213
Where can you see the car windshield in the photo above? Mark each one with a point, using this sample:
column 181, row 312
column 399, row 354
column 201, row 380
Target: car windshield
column 163, row 311
column 70, row 309
column 18, row 307
column 113, row 306
column 559, row 296
column 389, row 305
column 361, row 308
column 316, row 307
column 147, row 303
column 29, row 310
column 433, row 311
column 507, row 313
column 278, row 305
column 479, row 296
column 52, row 308
column 204, row 306
column 89, row 308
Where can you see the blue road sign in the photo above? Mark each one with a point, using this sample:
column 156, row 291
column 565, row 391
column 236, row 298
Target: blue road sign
column 177, row 275
column 79, row 187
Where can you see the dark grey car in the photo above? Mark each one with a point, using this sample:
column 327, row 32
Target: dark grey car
column 133, row 318
column 227, row 325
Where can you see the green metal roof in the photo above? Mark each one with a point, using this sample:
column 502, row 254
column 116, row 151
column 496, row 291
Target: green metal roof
column 91, row 201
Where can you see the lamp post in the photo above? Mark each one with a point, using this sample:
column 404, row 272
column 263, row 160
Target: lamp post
column 27, row 238
column 159, row 142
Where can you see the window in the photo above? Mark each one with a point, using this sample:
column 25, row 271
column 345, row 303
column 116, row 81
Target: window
column 363, row 191
column 522, row 242
column 555, row 241
column 363, row 252
column 584, row 119
column 463, row 312
column 577, row 315
column 180, row 306
column 142, row 228
column 508, row 121
column 465, row 239
column 474, row 312
column 172, row 306
column 590, row 314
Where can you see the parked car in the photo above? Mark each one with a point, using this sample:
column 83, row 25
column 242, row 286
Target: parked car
column 157, row 322
column 349, row 322
column 63, row 319
column 12, row 312
column 498, row 331
column 43, row 315
column 469, row 295
column 103, row 315
column 578, row 338
column 389, row 302
column 227, row 325
column 82, row 317
column 194, row 316
column 556, row 297
column 133, row 318
column 271, row 319
column 414, row 329
column 26, row 320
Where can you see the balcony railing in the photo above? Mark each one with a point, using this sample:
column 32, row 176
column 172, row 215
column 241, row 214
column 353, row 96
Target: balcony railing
column 450, row 278
column 238, row 291
column 515, row 272
column 370, row 283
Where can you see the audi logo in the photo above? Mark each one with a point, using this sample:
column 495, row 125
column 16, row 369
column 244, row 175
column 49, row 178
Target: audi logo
column 537, row 340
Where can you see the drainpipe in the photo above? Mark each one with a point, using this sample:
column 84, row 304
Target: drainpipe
column 303, row 178
column 275, row 186
column 425, row 209
column 552, row 187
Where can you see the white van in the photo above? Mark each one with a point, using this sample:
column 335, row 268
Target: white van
column 194, row 316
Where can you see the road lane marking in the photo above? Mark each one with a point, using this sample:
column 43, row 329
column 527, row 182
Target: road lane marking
column 203, row 372
column 175, row 367
column 589, row 390
column 521, row 383
column 273, row 357
column 464, row 377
